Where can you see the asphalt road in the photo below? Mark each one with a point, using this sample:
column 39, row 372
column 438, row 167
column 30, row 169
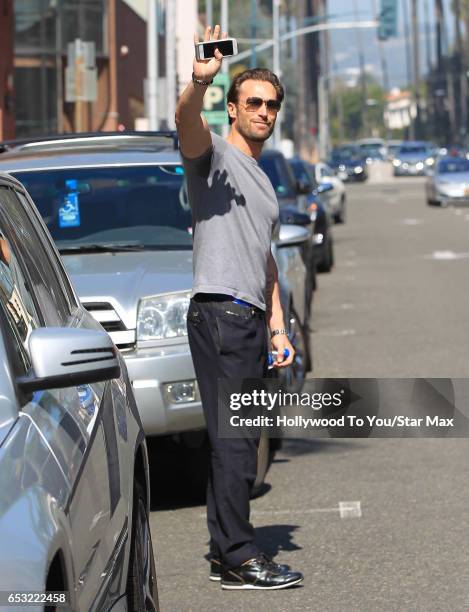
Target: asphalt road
column 396, row 305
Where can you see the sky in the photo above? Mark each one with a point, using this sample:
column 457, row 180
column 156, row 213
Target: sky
column 344, row 43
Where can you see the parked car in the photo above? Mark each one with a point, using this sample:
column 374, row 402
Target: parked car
column 348, row 163
column 413, row 158
column 449, row 183
column 117, row 208
column 319, row 214
column 74, row 495
column 292, row 194
column 372, row 149
column 393, row 147
column 335, row 197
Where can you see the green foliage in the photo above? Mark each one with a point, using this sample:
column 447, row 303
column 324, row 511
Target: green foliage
column 356, row 123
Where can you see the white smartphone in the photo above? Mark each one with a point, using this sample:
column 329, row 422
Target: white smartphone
column 206, row 50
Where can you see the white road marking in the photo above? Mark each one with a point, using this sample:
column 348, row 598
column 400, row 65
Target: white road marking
column 336, row 332
column 347, row 306
column 466, row 217
column 350, row 509
column 411, row 221
column 350, row 264
column 457, row 211
column 446, row 255
column 346, row 509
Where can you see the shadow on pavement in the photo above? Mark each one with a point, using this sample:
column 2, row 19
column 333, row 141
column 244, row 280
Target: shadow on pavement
column 273, row 539
column 294, row 447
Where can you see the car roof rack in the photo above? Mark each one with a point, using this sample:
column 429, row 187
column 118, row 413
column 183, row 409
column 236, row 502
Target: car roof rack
column 87, row 138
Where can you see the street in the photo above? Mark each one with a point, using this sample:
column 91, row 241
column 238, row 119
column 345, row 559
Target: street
column 395, row 305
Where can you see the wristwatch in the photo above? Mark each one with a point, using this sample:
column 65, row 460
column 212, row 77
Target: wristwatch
column 276, row 332
column 199, row 81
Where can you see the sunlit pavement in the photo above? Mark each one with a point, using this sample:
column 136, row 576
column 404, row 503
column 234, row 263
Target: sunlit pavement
column 392, row 307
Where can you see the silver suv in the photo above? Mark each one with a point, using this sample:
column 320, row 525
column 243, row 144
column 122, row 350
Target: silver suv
column 74, row 478
column 117, row 209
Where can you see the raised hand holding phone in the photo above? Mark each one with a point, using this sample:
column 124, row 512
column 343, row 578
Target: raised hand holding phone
column 206, row 69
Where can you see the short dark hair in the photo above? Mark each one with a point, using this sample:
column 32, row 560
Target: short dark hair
column 253, row 74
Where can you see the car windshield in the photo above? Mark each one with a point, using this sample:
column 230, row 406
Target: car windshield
column 345, row 153
column 278, row 175
column 415, row 149
column 371, row 149
column 300, row 172
column 130, row 207
column 449, row 166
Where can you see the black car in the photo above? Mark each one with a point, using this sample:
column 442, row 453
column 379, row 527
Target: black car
column 349, row 163
column 292, row 195
column 319, row 213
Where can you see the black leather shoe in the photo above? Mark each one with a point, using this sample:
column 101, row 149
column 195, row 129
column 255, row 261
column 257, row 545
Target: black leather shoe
column 216, row 567
column 259, row 573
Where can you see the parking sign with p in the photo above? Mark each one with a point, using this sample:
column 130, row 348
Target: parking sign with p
column 214, row 107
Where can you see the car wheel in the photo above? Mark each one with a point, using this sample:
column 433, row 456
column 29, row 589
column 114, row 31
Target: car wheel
column 340, row 216
column 142, row 590
column 295, row 374
column 328, row 260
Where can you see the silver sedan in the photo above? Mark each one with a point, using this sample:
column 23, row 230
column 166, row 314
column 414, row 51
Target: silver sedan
column 74, row 488
column 449, row 183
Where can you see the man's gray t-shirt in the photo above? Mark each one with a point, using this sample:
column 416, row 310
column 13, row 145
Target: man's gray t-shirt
column 234, row 211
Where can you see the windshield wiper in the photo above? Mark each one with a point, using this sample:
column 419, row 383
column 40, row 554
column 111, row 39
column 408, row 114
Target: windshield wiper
column 101, row 248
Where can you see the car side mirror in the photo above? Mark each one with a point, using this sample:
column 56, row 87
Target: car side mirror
column 292, row 235
column 68, row 357
column 303, row 187
column 325, row 187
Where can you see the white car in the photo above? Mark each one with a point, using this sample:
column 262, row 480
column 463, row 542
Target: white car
column 336, row 197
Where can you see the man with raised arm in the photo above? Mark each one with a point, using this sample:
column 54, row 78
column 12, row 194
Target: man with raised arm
column 235, row 301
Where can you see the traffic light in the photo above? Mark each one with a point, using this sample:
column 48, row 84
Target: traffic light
column 387, row 19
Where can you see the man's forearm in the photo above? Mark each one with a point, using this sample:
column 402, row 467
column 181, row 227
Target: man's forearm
column 189, row 106
column 274, row 313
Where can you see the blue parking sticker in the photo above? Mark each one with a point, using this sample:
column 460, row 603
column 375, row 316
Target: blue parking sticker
column 69, row 212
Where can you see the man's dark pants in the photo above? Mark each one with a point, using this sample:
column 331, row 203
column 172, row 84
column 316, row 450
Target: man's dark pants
column 227, row 340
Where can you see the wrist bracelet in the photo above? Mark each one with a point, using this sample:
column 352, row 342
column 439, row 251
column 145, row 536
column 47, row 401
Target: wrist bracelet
column 199, row 81
column 276, row 332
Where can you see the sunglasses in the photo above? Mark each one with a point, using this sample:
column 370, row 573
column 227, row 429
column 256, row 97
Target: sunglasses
column 254, row 104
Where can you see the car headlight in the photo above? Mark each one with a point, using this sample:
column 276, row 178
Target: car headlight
column 163, row 316
column 342, row 168
column 396, row 162
column 358, row 169
column 430, row 161
column 419, row 166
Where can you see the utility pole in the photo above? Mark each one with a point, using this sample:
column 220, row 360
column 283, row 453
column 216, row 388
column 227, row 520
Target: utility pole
column 405, row 15
column 152, row 64
column 361, row 60
column 253, row 60
column 277, row 135
column 170, row 64
column 416, row 64
column 384, row 66
column 460, row 67
column 79, row 61
column 224, row 20
column 209, row 13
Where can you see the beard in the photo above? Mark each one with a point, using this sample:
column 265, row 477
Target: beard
column 247, row 132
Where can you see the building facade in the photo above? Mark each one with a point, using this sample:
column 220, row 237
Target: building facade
column 6, row 70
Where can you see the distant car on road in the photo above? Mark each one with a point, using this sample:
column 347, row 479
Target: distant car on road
column 74, row 495
column 349, row 163
column 449, row 184
column 372, row 149
column 336, row 198
column 319, row 213
column 414, row 158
